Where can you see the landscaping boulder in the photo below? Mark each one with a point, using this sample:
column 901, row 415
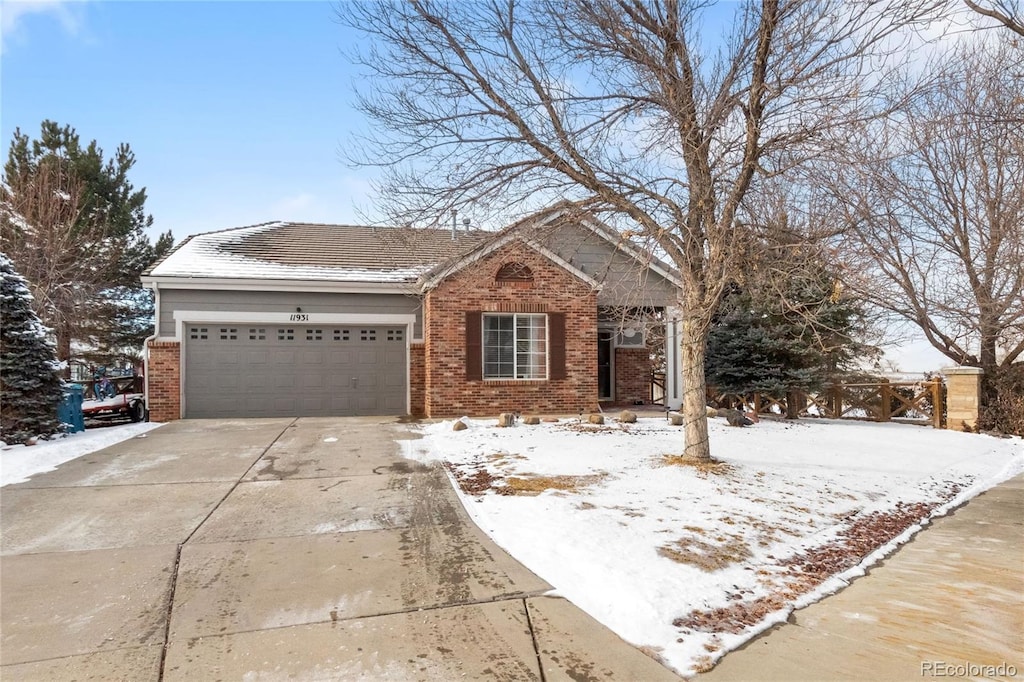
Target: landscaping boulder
column 507, row 419
column 735, row 417
column 459, row 426
column 531, row 421
column 627, row 417
column 596, row 419
column 675, row 419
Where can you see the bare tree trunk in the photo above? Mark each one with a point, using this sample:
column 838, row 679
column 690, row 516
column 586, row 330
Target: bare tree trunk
column 794, row 404
column 693, row 340
column 63, row 334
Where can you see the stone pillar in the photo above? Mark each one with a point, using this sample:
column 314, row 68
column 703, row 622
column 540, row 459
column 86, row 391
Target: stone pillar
column 963, row 397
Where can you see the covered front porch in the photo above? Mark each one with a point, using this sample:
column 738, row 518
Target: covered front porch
column 638, row 357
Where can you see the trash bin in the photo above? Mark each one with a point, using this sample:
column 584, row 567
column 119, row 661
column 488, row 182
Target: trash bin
column 69, row 411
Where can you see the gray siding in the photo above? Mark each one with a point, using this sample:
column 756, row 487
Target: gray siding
column 624, row 282
column 285, row 302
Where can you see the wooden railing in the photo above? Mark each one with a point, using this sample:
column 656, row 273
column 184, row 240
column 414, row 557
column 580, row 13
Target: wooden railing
column 657, row 388
column 910, row 401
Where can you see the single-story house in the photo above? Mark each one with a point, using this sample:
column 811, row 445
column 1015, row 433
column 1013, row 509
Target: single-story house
column 294, row 319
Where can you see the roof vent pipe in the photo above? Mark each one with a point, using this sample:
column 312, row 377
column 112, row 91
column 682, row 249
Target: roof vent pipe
column 455, row 222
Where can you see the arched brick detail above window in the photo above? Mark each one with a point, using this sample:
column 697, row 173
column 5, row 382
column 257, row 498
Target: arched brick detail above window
column 514, row 273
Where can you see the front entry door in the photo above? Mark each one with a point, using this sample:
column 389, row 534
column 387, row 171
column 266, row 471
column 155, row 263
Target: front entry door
column 604, row 366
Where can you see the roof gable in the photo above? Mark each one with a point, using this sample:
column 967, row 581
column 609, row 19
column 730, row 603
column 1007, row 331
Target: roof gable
column 537, row 231
column 432, row 278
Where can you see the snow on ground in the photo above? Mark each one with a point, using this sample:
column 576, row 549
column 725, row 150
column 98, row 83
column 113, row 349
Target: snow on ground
column 19, row 462
column 688, row 563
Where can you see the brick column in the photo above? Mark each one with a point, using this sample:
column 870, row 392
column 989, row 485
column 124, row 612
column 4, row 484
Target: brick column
column 963, row 396
column 632, row 375
column 164, row 381
column 417, row 379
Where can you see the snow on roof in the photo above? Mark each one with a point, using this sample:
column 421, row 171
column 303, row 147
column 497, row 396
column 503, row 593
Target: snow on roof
column 303, row 251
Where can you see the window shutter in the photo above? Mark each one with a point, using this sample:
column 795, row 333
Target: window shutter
column 556, row 339
column 474, row 350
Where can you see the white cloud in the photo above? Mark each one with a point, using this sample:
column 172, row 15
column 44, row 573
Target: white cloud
column 68, row 13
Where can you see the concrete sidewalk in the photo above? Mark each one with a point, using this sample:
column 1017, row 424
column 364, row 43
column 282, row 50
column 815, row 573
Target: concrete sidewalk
column 284, row 549
column 949, row 604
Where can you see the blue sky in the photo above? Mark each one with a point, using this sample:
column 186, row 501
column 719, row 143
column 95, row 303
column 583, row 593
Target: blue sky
column 236, row 111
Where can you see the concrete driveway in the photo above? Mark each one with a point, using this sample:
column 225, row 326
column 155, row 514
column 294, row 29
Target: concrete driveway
column 274, row 549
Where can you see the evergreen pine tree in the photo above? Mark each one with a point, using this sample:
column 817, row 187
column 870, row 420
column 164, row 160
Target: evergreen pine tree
column 97, row 242
column 751, row 349
column 780, row 341
column 30, row 387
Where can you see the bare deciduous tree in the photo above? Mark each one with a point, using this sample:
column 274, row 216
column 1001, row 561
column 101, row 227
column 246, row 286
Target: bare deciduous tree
column 936, row 201
column 1006, row 12
column 36, row 217
column 625, row 107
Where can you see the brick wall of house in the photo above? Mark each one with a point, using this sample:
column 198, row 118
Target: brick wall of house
column 632, row 375
column 553, row 290
column 164, row 381
column 417, row 378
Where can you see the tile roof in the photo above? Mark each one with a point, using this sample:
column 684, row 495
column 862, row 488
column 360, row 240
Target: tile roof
column 338, row 253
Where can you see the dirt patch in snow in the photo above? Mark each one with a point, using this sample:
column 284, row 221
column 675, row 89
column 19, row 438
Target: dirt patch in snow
column 535, row 485
column 704, row 466
column 707, row 554
column 477, row 480
column 804, row 571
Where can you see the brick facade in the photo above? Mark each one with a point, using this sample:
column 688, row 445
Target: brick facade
column 417, row 377
column 632, row 375
column 164, row 381
column 447, row 390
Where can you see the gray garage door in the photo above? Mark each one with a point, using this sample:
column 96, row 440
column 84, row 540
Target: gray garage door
column 291, row 370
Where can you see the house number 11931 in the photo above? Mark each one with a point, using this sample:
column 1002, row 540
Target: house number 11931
column 299, row 317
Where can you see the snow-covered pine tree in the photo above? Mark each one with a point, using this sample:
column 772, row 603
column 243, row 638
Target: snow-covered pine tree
column 30, row 387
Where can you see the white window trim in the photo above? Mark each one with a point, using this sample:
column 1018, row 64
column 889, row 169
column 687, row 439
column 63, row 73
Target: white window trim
column 515, row 362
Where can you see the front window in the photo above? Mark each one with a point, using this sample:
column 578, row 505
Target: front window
column 515, row 346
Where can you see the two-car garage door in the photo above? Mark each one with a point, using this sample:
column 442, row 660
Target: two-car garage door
column 256, row 370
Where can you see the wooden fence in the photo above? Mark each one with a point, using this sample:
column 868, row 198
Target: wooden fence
column 906, row 401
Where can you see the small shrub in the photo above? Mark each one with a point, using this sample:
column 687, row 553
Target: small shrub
column 1003, row 401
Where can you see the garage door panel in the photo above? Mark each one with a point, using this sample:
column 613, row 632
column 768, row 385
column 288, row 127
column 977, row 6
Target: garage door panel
column 282, row 357
column 366, row 382
column 368, row 357
column 312, row 357
column 255, row 357
column 274, row 370
column 254, row 381
column 224, row 356
column 339, row 357
column 314, row 382
column 341, row 403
